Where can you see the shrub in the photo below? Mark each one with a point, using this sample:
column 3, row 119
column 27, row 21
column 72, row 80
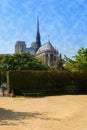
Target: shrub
column 0, row 78
column 50, row 81
column 45, row 80
column 80, row 80
column 70, row 89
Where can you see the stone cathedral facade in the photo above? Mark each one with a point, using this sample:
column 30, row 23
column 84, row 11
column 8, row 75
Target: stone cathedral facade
column 46, row 52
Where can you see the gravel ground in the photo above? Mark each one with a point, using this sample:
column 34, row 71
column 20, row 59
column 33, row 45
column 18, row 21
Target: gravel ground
column 47, row 113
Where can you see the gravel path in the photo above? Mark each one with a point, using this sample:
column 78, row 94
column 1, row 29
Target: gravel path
column 47, row 113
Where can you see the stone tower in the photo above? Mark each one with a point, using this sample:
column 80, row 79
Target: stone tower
column 19, row 46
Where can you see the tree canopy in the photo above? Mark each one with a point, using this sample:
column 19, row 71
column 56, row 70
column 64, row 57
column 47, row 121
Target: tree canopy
column 78, row 62
column 20, row 62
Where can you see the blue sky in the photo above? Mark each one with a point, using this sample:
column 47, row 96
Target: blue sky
column 64, row 20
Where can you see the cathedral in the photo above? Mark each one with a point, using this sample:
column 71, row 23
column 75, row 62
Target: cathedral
column 46, row 52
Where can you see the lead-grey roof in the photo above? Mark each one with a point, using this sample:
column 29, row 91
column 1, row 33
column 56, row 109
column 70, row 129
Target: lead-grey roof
column 30, row 50
column 46, row 47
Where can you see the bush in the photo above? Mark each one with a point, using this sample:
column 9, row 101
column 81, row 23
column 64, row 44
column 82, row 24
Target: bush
column 45, row 80
column 0, row 78
column 80, row 80
column 71, row 89
column 50, row 81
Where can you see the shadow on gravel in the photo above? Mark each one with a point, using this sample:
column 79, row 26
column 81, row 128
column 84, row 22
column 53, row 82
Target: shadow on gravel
column 9, row 117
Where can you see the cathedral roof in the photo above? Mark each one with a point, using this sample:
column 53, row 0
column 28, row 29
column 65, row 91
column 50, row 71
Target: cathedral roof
column 46, row 47
column 30, row 50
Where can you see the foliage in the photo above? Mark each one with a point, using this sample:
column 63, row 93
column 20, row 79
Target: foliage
column 3, row 76
column 20, row 62
column 50, row 81
column 70, row 89
column 80, row 80
column 45, row 80
column 79, row 61
column 0, row 77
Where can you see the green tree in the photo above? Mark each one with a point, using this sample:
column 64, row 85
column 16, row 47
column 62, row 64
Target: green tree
column 20, row 62
column 78, row 63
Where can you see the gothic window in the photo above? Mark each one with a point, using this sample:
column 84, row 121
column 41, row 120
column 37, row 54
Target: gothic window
column 51, row 59
column 46, row 58
column 54, row 58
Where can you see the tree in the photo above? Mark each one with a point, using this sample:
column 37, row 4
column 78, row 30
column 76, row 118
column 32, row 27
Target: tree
column 79, row 61
column 20, row 62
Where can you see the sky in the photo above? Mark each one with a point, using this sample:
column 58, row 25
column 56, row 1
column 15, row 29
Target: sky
column 64, row 20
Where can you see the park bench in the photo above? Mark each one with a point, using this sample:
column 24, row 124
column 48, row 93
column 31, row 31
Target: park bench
column 27, row 92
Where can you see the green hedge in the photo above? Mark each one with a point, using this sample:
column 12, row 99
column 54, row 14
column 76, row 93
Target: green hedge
column 0, row 78
column 45, row 80
column 80, row 80
column 50, row 81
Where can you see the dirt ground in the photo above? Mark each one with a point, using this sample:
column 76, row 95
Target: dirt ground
column 47, row 113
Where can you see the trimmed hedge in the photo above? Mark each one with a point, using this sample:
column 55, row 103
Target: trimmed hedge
column 44, row 80
column 50, row 81
column 80, row 80
column 0, row 78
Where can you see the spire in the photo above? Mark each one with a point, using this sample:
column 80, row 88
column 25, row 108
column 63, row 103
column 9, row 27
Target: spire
column 38, row 24
column 38, row 42
column 48, row 38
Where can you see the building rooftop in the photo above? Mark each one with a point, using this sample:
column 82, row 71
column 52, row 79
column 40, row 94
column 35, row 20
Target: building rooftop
column 30, row 50
column 46, row 47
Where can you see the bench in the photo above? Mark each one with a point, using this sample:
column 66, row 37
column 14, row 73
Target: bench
column 27, row 92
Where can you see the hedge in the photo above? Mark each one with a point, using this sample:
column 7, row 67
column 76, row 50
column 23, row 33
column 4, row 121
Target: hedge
column 80, row 80
column 45, row 80
column 50, row 81
column 0, row 78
